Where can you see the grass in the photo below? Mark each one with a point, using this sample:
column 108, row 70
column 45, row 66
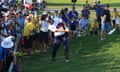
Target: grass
column 59, row 4
column 81, row 1
column 87, row 54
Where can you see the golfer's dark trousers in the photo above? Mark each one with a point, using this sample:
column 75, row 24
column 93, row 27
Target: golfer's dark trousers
column 57, row 41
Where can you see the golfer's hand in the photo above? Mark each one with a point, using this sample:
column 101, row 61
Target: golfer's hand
column 67, row 30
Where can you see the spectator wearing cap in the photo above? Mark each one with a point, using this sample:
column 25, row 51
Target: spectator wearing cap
column 56, row 17
column 106, row 21
column 28, row 28
column 33, row 20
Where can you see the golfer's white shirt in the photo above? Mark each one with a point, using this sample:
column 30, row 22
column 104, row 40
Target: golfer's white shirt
column 53, row 29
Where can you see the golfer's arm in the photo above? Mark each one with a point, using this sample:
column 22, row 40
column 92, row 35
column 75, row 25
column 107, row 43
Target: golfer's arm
column 62, row 31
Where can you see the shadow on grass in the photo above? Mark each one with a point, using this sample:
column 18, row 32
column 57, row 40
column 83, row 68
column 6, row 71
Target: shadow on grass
column 95, row 55
column 93, row 44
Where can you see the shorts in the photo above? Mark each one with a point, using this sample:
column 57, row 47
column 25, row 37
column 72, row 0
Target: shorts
column 28, row 42
column 115, row 21
column 44, row 37
column 105, row 26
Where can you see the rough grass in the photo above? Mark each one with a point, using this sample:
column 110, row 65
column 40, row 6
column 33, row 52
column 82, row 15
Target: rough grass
column 87, row 54
column 59, row 4
column 81, row 1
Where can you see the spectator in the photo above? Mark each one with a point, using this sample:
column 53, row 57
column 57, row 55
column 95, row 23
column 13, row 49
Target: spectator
column 115, row 19
column 73, row 20
column 87, row 4
column 94, row 28
column 56, row 18
column 65, row 16
column 85, row 12
column 83, row 24
column 28, row 35
column 20, row 19
column 99, row 11
column 37, row 33
column 44, row 32
column 106, row 21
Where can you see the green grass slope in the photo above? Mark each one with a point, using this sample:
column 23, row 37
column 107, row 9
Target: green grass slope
column 87, row 54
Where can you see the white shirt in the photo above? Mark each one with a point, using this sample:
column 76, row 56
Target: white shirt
column 44, row 26
column 56, row 19
column 39, row 1
column 5, row 6
column 53, row 29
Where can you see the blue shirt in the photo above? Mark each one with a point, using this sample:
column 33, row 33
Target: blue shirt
column 21, row 21
column 99, row 11
column 64, row 18
column 73, row 14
